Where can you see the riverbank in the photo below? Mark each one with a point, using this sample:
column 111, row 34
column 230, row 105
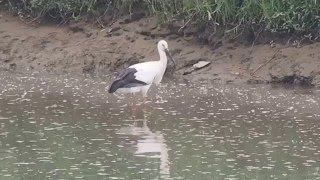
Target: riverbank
column 81, row 47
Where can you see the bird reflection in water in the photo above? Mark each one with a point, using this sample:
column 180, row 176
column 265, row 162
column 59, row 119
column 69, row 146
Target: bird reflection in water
column 142, row 142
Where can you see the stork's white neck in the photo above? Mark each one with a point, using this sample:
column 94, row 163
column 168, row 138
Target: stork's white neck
column 163, row 56
column 162, row 66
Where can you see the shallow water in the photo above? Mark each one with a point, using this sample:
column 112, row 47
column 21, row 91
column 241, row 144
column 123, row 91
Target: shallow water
column 70, row 128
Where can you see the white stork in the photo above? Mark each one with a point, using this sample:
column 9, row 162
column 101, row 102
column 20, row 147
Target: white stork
column 139, row 77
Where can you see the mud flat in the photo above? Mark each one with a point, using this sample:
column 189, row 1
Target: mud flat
column 81, row 47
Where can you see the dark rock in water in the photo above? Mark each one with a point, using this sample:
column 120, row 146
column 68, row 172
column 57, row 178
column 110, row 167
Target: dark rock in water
column 293, row 79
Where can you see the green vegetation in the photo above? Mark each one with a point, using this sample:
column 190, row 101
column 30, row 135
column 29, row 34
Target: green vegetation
column 273, row 15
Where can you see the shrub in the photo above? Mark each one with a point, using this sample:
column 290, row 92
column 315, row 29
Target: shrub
column 273, row 15
column 276, row 15
column 62, row 8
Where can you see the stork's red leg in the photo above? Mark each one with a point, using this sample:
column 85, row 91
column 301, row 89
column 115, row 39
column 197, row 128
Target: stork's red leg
column 145, row 104
column 133, row 107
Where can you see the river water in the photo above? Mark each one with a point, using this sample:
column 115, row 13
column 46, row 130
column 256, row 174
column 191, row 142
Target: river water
column 60, row 127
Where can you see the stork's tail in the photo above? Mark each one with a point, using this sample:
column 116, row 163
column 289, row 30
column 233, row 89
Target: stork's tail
column 115, row 86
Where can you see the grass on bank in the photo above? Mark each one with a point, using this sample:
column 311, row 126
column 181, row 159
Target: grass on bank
column 274, row 15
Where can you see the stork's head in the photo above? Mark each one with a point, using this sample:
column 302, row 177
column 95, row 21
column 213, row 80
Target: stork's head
column 163, row 45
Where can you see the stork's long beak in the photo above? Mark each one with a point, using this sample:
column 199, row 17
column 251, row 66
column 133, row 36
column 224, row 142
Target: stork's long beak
column 170, row 58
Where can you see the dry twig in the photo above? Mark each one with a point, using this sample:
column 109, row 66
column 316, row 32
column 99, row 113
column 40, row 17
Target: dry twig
column 262, row 65
column 256, row 37
column 184, row 26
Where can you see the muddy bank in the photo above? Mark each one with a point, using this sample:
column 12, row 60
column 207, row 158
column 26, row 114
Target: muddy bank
column 82, row 48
